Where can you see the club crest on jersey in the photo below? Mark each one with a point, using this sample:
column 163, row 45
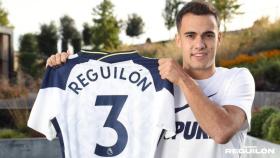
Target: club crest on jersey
column 107, row 72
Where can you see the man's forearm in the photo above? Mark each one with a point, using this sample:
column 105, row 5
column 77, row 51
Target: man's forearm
column 213, row 119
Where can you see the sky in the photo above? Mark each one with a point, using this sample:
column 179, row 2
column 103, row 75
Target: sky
column 28, row 15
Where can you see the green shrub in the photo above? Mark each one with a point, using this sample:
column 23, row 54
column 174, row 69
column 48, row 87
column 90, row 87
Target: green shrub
column 266, row 74
column 6, row 121
column 273, row 133
column 19, row 117
column 272, row 72
column 267, row 124
column 259, row 119
column 9, row 133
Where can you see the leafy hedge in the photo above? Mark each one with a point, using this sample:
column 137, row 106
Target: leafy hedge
column 271, row 128
column 265, row 124
column 11, row 133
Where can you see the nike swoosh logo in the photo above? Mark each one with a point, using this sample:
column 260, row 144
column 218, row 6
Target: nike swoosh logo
column 212, row 95
column 181, row 108
column 187, row 105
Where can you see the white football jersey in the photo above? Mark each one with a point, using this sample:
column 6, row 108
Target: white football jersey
column 226, row 87
column 116, row 106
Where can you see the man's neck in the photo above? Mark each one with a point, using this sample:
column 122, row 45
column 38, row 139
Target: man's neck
column 200, row 74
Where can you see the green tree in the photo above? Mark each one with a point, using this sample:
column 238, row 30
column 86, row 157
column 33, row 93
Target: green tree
column 87, row 34
column 67, row 29
column 170, row 11
column 135, row 25
column 28, row 53
column 4, row 21
column 227, row 9
column 28, row 43
column 47, row 39
column 76, row 41
column 106, row 28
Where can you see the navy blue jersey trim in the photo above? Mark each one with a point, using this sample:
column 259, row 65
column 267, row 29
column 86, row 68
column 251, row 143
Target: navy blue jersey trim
column 149, row 63
column 92, row 55
column 57, row 76
column 59, row 135
column 161, row 135
column 119, row 57
column 152, row 66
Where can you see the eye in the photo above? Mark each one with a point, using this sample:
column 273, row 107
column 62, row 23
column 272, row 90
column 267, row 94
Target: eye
column 189, row 36
column 210, row 35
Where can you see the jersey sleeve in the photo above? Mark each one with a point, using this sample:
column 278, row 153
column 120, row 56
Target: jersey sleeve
column 45, row 107
column 240, row 92
column 167, row 114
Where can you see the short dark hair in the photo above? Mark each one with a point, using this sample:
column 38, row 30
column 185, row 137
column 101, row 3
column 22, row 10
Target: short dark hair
column 197, row 8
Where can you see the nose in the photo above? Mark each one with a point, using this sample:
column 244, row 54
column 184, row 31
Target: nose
column 199, row 43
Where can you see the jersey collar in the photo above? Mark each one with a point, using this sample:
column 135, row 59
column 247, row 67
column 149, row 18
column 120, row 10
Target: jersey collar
column 110, row 57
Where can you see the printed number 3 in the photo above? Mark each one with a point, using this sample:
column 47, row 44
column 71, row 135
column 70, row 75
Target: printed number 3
column 117, row 102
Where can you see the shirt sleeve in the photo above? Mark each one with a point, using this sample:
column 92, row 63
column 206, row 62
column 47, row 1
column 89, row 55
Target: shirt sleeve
column 167, row 113
column 45, row 108
column 240, row 92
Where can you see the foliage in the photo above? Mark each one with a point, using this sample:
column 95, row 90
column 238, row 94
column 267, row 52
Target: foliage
column 20, row 116
column 170, row 11
column 76, row 41
column 267, row 124
column 156, row 50
column 106, row 28
column 262, row 36
column 28, row 63
column 87, row 34
column 259, row 119
column 265, row 35
column 271, row 73
column 227, row 9
column 28, row 43
column 243, row 58
column 67, row 31
column 266, row 74
column 47, row 39
column 5, row 121
column 10, row 133
column 29, row 54
column 4, row 21
column 135, row 25
column 11, row 91
column 264, row 66
column 273, row 133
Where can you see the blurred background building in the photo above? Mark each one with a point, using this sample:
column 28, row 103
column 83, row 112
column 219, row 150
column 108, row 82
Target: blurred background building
column 6, row 52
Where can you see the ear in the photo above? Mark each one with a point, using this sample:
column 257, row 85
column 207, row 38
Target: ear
column 178, row 40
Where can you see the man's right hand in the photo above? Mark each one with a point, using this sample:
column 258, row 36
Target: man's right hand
column 58, row 58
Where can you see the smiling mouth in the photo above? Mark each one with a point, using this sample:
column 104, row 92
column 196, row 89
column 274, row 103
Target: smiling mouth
column 199, row 54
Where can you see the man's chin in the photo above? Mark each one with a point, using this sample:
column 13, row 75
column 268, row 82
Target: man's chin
column 198, row 67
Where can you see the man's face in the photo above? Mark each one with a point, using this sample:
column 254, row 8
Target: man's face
column 198, row 38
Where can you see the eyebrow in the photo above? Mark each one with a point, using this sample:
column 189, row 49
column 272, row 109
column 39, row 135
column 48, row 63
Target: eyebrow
column 191, row 32
column 211, row 32
column 206, row 32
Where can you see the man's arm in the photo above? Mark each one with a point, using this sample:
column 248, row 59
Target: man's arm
column 219, row 122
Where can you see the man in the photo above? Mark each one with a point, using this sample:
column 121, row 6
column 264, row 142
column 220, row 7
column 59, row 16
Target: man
column 219, row 99
column 213, row 104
